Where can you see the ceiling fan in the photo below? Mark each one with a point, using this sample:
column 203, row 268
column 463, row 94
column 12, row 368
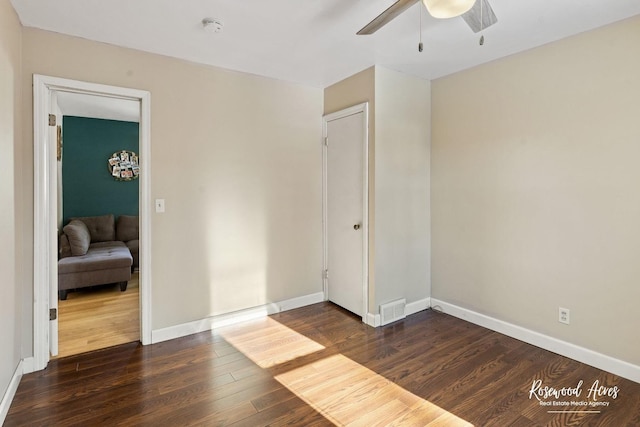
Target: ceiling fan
column 478, row 14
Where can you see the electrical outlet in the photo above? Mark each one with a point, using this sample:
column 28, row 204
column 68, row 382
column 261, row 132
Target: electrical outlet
column 564, row 315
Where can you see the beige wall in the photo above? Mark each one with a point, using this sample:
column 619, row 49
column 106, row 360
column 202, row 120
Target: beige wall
column 402, row 228
column 10, row 286
column 399, row 129
column 535, row 189
column 236, row 157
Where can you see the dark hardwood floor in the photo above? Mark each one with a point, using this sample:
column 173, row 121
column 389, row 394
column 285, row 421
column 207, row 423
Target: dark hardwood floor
column 319, row 365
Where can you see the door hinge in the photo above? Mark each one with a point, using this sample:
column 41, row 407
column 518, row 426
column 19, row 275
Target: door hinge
column 325, row 274
column 52, row 119
column 53, row 313
column 326, row 141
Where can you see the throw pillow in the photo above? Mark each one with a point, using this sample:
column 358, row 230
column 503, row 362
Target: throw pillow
column 101, row 228
column 79, row 237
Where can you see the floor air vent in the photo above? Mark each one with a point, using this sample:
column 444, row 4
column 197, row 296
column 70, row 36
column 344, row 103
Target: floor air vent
column 392, row 311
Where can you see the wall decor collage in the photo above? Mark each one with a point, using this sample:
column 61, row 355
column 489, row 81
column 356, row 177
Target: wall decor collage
column 124, row 165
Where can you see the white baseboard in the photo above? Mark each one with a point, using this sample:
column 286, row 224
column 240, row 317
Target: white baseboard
column 373, row 320
column 563, row 348
column 28, row 365
column 417, row 306
column 302, row 301
column 5, row 403
column 209, row 323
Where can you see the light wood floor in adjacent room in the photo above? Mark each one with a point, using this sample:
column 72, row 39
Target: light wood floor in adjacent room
column 100, row 317
column 319, row 365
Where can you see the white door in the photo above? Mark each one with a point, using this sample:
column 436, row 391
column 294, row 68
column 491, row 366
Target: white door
column 345, row 208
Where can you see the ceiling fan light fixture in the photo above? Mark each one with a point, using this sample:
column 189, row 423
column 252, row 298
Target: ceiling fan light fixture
column 448, row 8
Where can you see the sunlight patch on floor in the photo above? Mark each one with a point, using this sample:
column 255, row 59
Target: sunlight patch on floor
column 349, row 394
column 268, row 343
column 343, row 391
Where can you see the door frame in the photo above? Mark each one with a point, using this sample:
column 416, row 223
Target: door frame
column 356, row 109
column 45, row 237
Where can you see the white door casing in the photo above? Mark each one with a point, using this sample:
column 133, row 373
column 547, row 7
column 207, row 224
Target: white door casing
column 52, row 168
column 346, row 208
column 45, row 207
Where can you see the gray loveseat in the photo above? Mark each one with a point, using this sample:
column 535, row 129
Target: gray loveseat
column 96, row 251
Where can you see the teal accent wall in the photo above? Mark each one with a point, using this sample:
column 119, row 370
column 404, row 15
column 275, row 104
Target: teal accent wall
column 88, row 189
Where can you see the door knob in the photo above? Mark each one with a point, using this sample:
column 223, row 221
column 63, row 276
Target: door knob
column 356, row 227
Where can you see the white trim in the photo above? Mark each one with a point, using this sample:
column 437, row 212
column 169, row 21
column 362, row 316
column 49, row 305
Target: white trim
column 325, row 237
column 5, row 403
column 365, row 210
column 373, row 320
column 209, row 323
column 417, row 306
column 145, row 217
column 302, row 301
column 581, row 354
column 356, row 109
column 28, row 365
column 42, row 210
column 45, row 209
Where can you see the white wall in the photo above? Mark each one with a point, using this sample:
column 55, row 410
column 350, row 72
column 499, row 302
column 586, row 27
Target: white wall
column 402, row 172
column 535, row 189
column 236, row 157
column 10, row 135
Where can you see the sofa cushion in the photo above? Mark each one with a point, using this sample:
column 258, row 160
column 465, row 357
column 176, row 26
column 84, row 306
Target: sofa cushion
column 79, row 237
column 102, row 228
column 127, row 228
column 134, row 248
column 133, row 245
column 101, row 256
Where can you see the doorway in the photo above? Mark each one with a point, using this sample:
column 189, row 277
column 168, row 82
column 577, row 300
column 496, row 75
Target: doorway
column 94, row 129
column 46, row 208
column 345, row 158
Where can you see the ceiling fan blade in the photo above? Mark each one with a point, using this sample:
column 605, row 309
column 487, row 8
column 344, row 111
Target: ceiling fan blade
column 387, row 16
column 472, row 16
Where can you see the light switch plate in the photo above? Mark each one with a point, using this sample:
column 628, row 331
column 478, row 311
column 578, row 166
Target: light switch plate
column 159, row 205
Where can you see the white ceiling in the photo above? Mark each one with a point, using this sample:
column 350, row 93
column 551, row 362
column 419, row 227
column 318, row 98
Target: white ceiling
column 314, row 42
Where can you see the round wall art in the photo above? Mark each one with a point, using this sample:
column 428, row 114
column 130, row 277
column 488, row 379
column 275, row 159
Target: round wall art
column 124, row 165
